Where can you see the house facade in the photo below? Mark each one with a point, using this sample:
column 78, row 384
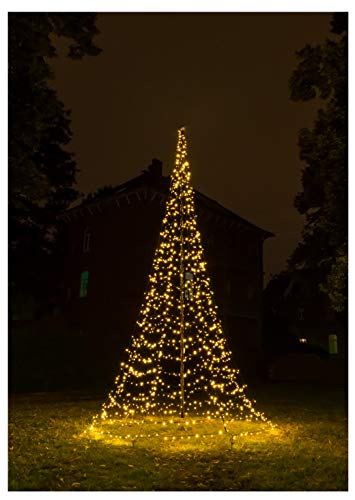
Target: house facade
column 108, row 248
column 304, row 338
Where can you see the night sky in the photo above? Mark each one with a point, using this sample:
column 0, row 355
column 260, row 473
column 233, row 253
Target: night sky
column 224, row 76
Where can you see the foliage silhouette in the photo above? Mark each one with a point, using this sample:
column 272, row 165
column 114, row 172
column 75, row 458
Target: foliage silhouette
column 322, row 73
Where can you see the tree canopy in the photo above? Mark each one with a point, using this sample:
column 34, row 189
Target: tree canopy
column 322, row 73
column 41, row 170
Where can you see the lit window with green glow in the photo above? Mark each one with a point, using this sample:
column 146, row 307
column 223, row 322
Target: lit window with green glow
column 84, row 283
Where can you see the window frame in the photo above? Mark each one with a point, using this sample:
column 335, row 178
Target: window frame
column 84, row 284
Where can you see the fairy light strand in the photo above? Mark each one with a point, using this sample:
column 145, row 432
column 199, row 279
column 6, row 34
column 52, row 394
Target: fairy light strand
column 150, row 382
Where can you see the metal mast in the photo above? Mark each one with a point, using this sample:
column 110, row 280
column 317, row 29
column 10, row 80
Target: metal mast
column 182, row 275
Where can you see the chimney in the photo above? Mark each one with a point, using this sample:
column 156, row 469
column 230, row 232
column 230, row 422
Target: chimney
column 155, row 169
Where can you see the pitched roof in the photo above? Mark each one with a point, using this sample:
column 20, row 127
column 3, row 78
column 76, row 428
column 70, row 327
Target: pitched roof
column 153, row 180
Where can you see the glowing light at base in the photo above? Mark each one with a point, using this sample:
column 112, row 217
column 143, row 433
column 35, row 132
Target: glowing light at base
column 178, row 365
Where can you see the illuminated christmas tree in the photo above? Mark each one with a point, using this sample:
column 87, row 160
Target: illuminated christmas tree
column 178, row 364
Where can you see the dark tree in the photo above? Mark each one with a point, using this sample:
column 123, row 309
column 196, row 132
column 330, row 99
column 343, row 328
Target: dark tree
column 322, row 73
column 41, row 171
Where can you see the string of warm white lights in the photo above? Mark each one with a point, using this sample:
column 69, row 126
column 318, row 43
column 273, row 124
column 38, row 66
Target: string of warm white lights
column 178, row 364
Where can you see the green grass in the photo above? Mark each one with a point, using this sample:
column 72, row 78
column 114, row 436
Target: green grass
column 48, row 449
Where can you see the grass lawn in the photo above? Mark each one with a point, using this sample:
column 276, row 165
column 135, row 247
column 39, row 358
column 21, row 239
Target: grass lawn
column 49, row 451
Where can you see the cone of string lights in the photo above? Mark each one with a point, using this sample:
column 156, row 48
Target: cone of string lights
column 178, row 367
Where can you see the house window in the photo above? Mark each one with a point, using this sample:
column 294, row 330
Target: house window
column 84, row 283
column 333, row 344
column 189, row 278
column 300, row 314
column 86, row 241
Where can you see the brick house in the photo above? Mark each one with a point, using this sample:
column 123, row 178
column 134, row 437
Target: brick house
column 108, row 247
